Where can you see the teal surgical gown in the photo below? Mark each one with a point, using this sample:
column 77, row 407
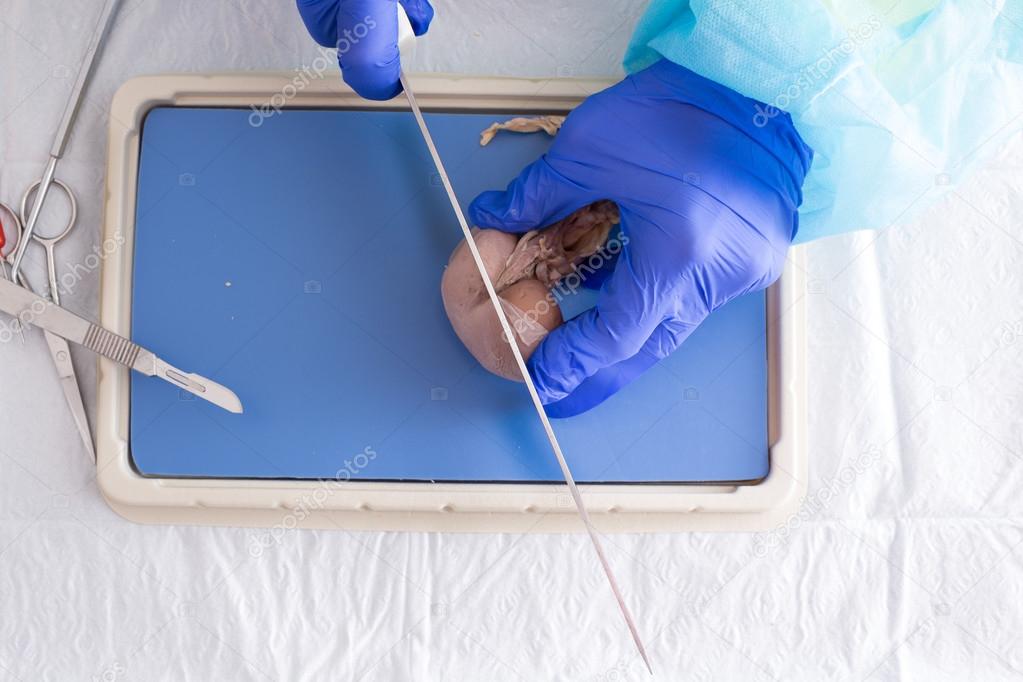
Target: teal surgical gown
column 898, row 100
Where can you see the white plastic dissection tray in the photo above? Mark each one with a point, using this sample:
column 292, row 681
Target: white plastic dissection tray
column 283, row 235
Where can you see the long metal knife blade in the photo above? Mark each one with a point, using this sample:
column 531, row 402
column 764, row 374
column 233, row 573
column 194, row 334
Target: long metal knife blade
column 31, row 309
column 510, row 337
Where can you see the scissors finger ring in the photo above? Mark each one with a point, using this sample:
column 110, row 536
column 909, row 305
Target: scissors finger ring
column 71, row 218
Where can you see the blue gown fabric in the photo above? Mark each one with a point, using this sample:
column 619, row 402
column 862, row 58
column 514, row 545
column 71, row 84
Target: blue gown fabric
column 899, row 101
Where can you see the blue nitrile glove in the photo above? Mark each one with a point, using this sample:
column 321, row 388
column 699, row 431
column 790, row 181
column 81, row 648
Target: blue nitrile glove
column 708, row 193
column 365, row 33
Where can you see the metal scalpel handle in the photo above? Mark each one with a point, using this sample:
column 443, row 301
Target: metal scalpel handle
column 111, row 346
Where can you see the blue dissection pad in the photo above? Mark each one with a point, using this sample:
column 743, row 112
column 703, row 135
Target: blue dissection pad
column 297, row 259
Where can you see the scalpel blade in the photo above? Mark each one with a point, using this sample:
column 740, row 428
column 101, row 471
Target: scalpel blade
column 31, row 309
column 510, row 336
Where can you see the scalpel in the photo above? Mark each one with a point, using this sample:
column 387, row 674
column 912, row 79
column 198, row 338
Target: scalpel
column 30, row 309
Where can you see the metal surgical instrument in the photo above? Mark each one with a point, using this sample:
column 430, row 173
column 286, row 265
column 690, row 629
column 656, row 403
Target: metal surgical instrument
column 67, row 121
column 35, row 310
column 405, row 34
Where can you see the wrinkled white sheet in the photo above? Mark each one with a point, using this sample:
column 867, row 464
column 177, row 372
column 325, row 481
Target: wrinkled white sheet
column 910, row 568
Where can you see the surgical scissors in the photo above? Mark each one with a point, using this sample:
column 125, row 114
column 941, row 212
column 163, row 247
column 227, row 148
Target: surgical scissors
column 25, row 220
column 60, row 353
column 67, row 122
